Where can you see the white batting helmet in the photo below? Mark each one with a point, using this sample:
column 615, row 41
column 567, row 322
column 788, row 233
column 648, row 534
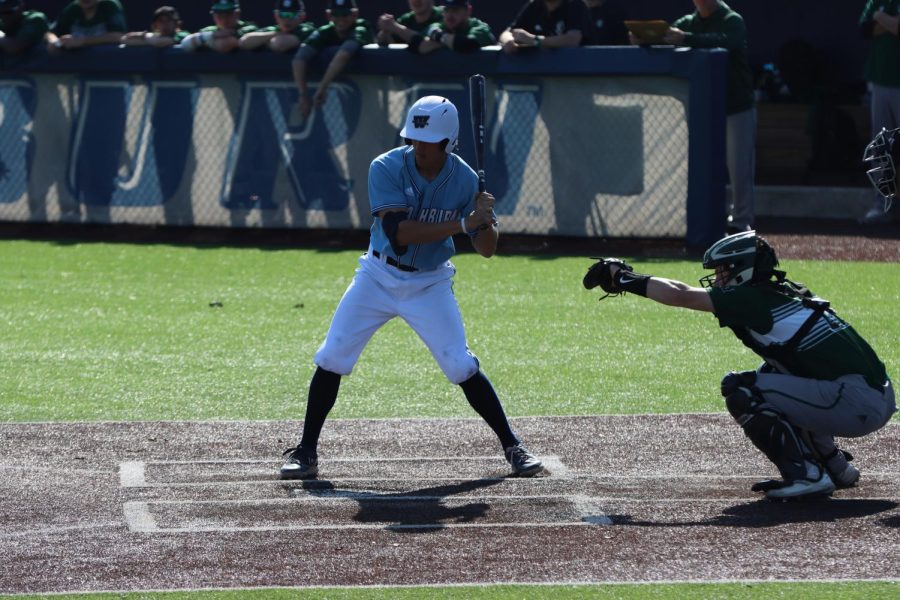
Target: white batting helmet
column 432, row 119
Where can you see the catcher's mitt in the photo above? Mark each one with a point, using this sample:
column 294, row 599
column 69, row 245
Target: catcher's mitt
column 600, row 274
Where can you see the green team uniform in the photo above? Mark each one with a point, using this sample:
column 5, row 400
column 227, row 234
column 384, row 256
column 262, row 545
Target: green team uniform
column 301, row 32
column 243, row 28
column 180, row 35
column 883, row 63
column 832, row 348
column 724, row 29
column 327, row 35
column 827, row 381
column 473, row 34
column 408, row 20
column 31, row 28
column 109, row 18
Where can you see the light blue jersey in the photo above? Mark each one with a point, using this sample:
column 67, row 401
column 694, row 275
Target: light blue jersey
column 394, row 182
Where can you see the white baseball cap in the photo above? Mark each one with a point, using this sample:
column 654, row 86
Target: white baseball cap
column 432, row 119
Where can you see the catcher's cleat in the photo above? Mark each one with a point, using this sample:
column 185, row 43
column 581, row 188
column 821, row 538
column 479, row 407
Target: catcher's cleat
column 848, row 478
column 843, row 474
column 300, row 464
column 768, row 484
column 802, row 489
column 523, row 462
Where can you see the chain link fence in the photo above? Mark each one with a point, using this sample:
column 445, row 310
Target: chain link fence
column 583, row 156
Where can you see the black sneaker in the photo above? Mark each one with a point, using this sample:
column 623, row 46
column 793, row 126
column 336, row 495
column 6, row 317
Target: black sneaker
column 299, row 464
column 523, row 462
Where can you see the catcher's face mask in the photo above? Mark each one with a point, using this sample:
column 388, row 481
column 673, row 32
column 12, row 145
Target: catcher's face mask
column 879, row 161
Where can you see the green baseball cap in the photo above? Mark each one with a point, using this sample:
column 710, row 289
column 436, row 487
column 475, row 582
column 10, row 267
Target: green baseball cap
column 341, row 7
column 225, row 6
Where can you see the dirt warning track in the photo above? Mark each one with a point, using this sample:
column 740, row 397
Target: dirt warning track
column 116, row 506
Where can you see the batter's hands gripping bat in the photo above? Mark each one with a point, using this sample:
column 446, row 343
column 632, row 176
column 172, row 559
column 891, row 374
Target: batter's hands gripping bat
column 476, row 111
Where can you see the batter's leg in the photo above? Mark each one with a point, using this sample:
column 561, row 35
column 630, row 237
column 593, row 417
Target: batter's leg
column 435, row 317
column 482, row 397
column 323, row 391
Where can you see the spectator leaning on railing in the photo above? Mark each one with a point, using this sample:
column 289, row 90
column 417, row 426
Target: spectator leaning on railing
column 20, row 29
column 715, row 25
column 347, row 31
column 290, row 30
column 165, row 30
column 421, row 16
column 87, row 23
column 459, row 31
column 548, row 24
column 224, row 36
column 881, row 23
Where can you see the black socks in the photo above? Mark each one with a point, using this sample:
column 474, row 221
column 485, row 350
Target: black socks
column 323, row 391
column 481, row 395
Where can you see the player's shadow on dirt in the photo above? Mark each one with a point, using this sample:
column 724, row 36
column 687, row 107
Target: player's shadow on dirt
column 415, row 511
column 764, row 513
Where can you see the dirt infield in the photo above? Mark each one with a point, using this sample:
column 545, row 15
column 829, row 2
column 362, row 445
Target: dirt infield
column 115, row 506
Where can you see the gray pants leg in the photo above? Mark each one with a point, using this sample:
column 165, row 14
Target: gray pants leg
column 740, row 154
column 845, row 407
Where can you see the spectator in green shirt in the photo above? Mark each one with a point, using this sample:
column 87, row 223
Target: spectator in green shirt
column 87, row 23
column 881, row 23
column 715, row 25
column 20, row 29
column 346, row 31
column 421, row 16
column 165, row 30
column 224, row 36
column 459, row 31
column 290, row 30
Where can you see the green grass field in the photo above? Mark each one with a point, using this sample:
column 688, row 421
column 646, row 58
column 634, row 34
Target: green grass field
column 119, row 332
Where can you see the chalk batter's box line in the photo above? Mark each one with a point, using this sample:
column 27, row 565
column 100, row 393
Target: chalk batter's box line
column 133, row 474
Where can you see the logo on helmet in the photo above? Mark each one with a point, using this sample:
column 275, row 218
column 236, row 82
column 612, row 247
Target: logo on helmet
column 743, row 258
column 420, row 121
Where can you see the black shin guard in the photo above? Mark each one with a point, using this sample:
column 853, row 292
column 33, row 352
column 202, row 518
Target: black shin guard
column 323, row 391
column 771, row 434
column 481, row 395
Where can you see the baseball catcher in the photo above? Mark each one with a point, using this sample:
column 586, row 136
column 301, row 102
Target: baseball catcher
column 818, row 379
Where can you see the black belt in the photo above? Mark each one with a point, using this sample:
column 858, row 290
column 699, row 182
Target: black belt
column 393, row 262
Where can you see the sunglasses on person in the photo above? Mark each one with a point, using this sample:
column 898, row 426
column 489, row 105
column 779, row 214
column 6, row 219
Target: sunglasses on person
column 288, row 14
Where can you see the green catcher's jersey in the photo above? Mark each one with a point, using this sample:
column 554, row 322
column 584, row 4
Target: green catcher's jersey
column 831, row 349
column 108, row 18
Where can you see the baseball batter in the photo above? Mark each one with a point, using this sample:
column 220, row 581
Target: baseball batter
column 819, row 378
column 420, row 195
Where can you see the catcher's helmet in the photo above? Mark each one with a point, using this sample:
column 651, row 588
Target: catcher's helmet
column 880, row 158
column 747, row 258
column 432, row 119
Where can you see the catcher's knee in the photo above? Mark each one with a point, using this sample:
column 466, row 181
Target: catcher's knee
column 735, row 380
column 742, row 404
